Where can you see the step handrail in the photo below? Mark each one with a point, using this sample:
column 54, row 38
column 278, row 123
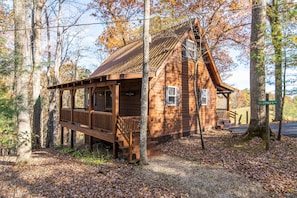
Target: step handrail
column 126, row 131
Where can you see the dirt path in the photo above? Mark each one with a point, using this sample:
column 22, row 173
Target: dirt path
column 54, row 175
column 195, row 180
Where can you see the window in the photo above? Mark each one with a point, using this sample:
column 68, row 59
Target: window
column 172, row 96
column 204, row 97
column 190, row 49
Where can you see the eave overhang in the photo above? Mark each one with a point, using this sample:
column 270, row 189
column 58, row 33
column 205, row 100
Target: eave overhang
column 98, row 81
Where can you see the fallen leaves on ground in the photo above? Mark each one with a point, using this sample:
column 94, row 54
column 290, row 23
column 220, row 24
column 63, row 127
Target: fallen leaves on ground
column 275, row 169
column 52, row 174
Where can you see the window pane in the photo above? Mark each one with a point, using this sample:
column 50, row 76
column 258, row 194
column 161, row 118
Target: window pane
column 171, row 91
column 171, row 100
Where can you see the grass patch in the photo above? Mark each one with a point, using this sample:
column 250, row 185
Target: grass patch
column 88, row 157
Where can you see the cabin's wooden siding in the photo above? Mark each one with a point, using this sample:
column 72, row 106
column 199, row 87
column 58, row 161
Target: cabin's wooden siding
column 170, row 120
column 99, row 100
column 130, row 105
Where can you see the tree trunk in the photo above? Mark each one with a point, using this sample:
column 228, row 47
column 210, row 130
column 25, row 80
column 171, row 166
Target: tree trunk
column 283, row 98
column 196, row 77
column 47, row 121
column 24, row 149
column 36, row 61
column 257, row 69
column 53, row 113
column 145, row 82
column 277, row 36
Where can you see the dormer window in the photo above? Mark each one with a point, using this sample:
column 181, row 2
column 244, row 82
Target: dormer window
column 190, row 49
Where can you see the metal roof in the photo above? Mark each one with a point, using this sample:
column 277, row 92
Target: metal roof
column 129, row 58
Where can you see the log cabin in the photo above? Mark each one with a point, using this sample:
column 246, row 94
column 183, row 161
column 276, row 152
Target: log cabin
column 111, row 109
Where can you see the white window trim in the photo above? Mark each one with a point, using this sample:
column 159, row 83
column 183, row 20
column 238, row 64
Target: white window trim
column 205, row 97
column 176, row 96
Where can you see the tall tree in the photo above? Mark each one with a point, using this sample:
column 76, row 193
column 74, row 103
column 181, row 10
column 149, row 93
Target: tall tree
column 274, row 16
column 37, row 6
column 24, row 129
column 257, row 69
column 145, row 82
column 63, row 21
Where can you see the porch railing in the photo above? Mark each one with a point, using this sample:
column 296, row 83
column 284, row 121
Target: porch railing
column 224, row 114
column 81, row 116
column 102, row 120
column 94, row 119
column 65, row 114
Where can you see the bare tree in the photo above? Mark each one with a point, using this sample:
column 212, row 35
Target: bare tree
column 64, row 22
column 37, row 7
column 24, row 129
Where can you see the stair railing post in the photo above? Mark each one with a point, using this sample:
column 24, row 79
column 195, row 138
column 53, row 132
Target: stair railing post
column 130, row 144
column 115, row 113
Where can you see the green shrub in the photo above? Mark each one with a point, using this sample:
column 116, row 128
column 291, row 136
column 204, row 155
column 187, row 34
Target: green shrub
column 88, row 157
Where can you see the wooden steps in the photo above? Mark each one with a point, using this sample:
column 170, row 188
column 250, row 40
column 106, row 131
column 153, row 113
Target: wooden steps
column 132, row 154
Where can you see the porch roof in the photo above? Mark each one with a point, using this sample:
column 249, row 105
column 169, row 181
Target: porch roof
column 103, row 80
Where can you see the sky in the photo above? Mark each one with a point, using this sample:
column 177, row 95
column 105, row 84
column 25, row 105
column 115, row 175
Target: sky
column 240, row 78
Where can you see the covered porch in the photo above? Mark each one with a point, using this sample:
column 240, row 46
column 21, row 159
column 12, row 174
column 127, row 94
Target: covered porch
column 106, row 108
column 225, row 117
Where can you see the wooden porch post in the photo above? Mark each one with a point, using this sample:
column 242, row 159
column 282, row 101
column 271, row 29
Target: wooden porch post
column 91, row 105
column 72, row 92
column 62, row 135
column 72, row 138
column 115, row 113
column 228, row 102
column 88, row 138
column 60, row 103
column 60, row 111
column 72, row 133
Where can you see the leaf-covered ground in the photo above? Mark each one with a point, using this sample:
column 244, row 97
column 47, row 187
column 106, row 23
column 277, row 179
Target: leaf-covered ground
column 225, row 169
column 275, row 169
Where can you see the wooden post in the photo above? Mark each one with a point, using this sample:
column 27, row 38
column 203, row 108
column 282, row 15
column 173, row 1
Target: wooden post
column 72, row 92
column 115, row 112
column 88, row 141
column 130, row 144
column 72, row 138
column 228, row 102
column 91, row 105
column 60, row 103
column 60, row 111
column 267, row 123
column 247, row 117
column 62, row 136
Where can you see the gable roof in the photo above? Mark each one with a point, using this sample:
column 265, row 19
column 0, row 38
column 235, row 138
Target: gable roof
column 129, row 59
